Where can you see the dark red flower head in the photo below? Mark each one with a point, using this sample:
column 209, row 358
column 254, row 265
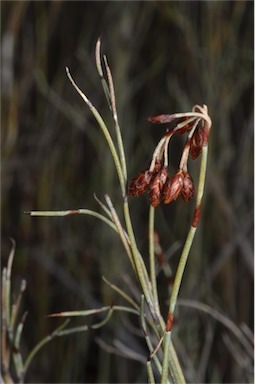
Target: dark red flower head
column 187, row 192
column 173, row 187
column 156, row 187
column 140, row 183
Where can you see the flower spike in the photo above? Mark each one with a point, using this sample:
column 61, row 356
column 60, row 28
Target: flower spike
column 196, row 124
column 173, row 187
column 156, row 187
column 140, row 183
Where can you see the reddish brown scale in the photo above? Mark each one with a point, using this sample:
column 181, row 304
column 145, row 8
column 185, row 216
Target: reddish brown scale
column 173, row 187
column 196, row 143
column 169, row 322
column 156, row 187
column 196, row 217
column 73, row 212
column 161, row 119
column 140, row 183
column 187, row 192
column 205, row 136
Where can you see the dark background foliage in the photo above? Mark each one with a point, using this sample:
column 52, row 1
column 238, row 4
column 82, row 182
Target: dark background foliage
column 165, row 57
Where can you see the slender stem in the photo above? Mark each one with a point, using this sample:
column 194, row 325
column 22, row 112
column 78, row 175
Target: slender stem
column 8, row 282
column 16, row 306
column 138, row 261
column 166, row 150
column 175, row 366
column 183, row 261
column 44, row 341
column 105, row 131
column 157, row 153
column 122, row 293
column 191, row 234
column 180, row 269
column 100, row 72
column 74, row 212
column 152, row 256
column 171, row 362
column 116, row 121
column 153, row 355
column 151, row 378
column 185, row 153
column 202, row 115
column 165, row 364
column 201, row 183
column 120, row 230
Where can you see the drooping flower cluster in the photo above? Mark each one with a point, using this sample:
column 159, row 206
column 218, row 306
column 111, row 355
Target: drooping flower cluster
column 155, row 179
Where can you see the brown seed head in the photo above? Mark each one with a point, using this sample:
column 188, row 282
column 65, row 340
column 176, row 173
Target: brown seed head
column 173, row 187
column 140, row 183
column 156, row 187
column 187, row 192
column 196, row 143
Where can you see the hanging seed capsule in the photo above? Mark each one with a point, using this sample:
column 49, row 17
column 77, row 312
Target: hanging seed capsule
column 156, row 187
column 140, row 183
column 173, row 187
column 187, row 192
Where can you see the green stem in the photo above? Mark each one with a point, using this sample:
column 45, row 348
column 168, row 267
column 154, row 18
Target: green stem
column 175, row 367
column 147, row 338
column 152, row 255
column 116, row 122
column 165, row 364
column 180, row 269
column 105, row 131
column 151, row 378
column 73, row 212
column 44, row 341
column 137, row 259
column 191, row 234
column 182, row 263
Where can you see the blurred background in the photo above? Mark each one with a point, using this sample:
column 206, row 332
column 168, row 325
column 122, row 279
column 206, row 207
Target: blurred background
column 165, row 57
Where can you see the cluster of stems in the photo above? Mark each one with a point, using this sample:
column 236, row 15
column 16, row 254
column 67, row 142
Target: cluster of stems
column 162, row 360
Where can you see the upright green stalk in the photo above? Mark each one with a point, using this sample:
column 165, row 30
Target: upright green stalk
column 152, row 255
column 161, row 187
column 182, row 264
column 191, row 234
